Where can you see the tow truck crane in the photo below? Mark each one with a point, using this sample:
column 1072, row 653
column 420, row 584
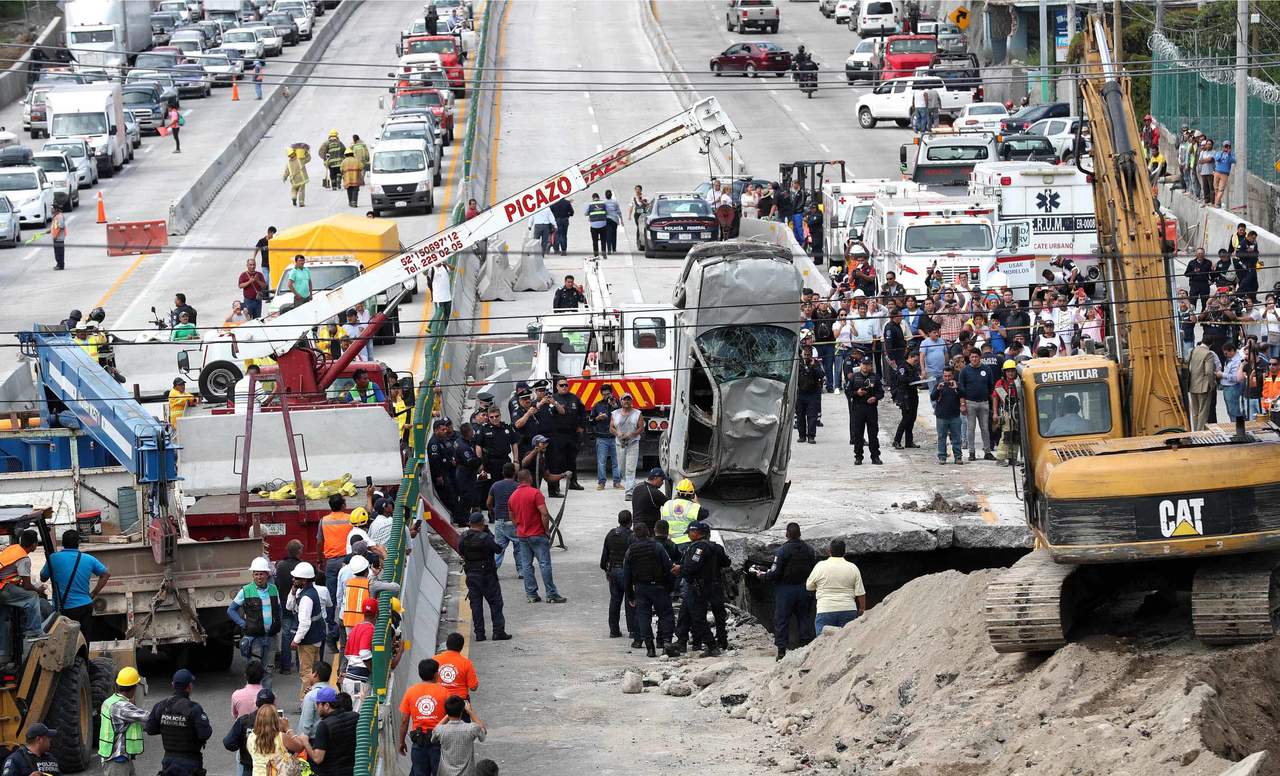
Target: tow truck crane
column 1117, row 492
column 277, row 334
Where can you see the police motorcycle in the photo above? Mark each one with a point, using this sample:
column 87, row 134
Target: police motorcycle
column 805, row 72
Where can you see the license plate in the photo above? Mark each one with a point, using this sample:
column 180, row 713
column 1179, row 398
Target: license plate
column 401, row 204
column 272, row 529
column 685, row 236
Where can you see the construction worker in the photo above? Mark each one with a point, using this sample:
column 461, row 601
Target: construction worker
column 304, row 601
column 682, row 510
column 352, row 176
column 1004, row 404
column 179, row 400
column 359, row 587
column 333, row 531
column 358, row 652
column 16, row 590
column 365, row 391
column 359, row 528
column 183, row 728
column 331, row 151
column 295, row 173
column 1271, row 385
column 58, row 233
column 81, row 335
column 120, row 737
column 36, row 758
column 256, row 609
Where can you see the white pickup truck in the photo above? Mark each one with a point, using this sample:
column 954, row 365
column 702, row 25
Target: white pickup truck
column 891, row 100
column 743, row 15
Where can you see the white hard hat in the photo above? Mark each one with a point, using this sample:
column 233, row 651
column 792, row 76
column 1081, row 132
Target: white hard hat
column 303, row 570
column 359, row 564
column 260, row 564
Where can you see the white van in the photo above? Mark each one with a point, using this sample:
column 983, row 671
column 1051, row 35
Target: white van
column 95, row 113
column 911, row 234
column 400, row 176
column 879, row 17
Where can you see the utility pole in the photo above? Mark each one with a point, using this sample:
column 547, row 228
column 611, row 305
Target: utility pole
column 1160, row 16
column 1044, row 51
column 1116, row 53
column 1072, row 71
column 1239, row 181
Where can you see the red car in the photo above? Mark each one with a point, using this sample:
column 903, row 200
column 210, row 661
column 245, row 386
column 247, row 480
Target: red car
column 752, row 58
column 447, row 47
column 407, row 96
column 904, row 53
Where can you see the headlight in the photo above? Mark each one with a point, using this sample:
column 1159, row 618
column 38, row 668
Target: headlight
column 31, row 199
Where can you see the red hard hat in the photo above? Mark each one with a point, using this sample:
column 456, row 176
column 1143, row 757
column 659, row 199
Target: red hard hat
column 370, row 606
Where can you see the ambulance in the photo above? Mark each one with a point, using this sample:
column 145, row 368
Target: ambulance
column 913, row 234
column 846, row 204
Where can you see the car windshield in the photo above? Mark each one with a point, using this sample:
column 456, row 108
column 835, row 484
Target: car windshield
column 955, row 153
column 164, row 79
column 681, row 207
column 430, row 47
column 772, row 48
column 877, row 9
column 18, row 181
column 4, row 205
column 282, row 19
column 164, row 21
column 399, row 161
column 987, row 110
column 947, row 237
column 401, row 131
column 244, row 36
column 91, row 36
column 913, row 46
column 738, row 352
column 429, row 98
column 858, row 216
column 866, row 46
column 74, row 150
column 137, row 97
column 754, row 3
column 79, row 124
column 1068, row 409
column 215, row 62
column 322, row 276
column 1030, row 113
column 648, row 333
column 51, row 163
column 187, row 44
column 1027, row 146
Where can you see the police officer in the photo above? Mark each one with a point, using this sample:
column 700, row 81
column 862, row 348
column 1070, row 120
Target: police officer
column 496, row 443
column 478, row 550
column 616, row 543
column 183, row 728
column 480, row 415
column 37, row 756
column 792, row 563
column 699, row 569
column 567, row 427
column 535, row 418
column 864, row 390
column 809, row 383
column 440, row 461
column 907, row 397
column 466, row 467
column 513, row 404
column 646, row 580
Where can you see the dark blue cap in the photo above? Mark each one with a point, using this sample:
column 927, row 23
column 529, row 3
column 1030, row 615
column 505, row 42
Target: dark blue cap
column 657, row 472
column 39, row 730
column 326, row 694
column 476, row 517
column 183, row 678
column 265, row 696
column 698, row 525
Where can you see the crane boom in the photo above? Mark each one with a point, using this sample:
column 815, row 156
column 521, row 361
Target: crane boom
column 277, row 334
column 1129, row 238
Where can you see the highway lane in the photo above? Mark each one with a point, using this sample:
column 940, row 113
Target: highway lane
column 142, row 190
column 778, row 122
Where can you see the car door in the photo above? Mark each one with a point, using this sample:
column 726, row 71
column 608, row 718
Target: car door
column 899, row 103
column 46, row 190
column 736, row 58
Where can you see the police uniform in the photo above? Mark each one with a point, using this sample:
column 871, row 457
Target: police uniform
column 699, row 571
column 907, row 397
column 440, row 462
column 466, row 465
column 539, row 424
column 646, row 576
column 24, row 762
column 864, row 414
column 564, row 436
column 792, row 563
column 479, row 416
column 478, row 550
column 495, row 447
column 183, row 728
column 513, row 404
column 616, row 543
column 809, row 379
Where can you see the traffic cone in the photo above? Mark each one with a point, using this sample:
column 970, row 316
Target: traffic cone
column 102, row 210
column 235, row 91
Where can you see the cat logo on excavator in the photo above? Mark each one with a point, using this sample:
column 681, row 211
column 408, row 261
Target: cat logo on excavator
column 1181, row 517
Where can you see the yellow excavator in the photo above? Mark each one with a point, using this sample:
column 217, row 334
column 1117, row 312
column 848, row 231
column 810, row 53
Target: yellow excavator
column 1116, row 489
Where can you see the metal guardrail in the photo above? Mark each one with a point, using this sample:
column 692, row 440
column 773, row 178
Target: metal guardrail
column 374, row 710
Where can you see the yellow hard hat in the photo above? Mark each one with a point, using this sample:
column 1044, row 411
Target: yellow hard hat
column 395, row 605
column 685, row 486
column 359, row 516
column 1010, row 364
column 293, row 152
column 333, row 133
column 128, row 677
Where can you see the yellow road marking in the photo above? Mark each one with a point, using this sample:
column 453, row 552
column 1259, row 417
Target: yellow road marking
column 984, row 510
column 114, row 287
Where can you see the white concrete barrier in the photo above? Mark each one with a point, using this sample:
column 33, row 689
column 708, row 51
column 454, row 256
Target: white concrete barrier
column 531, row 270
column 496, row 277
column 1200, row 226
column 16, row 79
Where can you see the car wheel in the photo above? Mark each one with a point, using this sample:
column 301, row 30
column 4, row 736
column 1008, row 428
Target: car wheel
column 431, row 203
column 779, row 75
column 715, row 69
column 904, row 123
column 865, row 119
column 728, row 24
column 648, row 254
column 751, row 70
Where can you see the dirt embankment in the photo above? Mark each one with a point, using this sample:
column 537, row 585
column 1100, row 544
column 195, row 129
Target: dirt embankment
column 914, row 688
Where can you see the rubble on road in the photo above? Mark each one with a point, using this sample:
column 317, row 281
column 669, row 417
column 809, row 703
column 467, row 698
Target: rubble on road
column 940, row 503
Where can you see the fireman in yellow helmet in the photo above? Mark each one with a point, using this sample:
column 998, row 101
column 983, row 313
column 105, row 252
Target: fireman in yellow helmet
column 682, row 510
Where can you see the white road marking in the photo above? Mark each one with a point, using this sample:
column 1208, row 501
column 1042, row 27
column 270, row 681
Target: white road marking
column 786, row 107
column 31, row 254
column 804, row 126
column 148, row 149
column 774, row 92
column 599, row 147
column 595, row 128
column 591, row 110
column 186, row 113
column 824, row 148
column 587, row 95
column 636, row 295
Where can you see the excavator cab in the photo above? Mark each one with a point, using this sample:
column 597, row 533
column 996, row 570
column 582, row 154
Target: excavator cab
column 55, row 682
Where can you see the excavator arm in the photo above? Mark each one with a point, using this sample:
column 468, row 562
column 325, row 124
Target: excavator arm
column 1129, row 238
column 279, row 333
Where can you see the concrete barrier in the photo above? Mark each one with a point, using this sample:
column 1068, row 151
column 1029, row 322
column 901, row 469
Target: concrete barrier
column 15, row 80
column 496, row 277
column 1211, row 228
column 187, row 209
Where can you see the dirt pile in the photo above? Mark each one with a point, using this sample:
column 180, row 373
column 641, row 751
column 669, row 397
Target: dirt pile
column 914, row 688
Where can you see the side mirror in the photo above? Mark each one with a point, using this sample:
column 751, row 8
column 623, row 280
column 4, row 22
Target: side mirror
column 902, row 154
column 399, row 49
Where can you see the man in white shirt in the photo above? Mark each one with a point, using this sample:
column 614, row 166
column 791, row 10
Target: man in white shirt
column 442, row 287
column 627, row 425
column 543, row 225
column 838, row 585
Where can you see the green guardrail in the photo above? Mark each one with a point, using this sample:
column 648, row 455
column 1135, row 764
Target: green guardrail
column 407, row 497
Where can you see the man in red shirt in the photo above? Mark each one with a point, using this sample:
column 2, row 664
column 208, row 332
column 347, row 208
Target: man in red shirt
column 528, row 510
column 457, row 673
column 254, row 287
column 354, row 679
column 422, row 708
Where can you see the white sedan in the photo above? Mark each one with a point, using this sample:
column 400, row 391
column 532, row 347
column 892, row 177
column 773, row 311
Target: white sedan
column 844, row 10
column 1061, row 132
column 983, row 116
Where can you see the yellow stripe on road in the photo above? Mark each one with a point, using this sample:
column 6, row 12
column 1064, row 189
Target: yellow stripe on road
column 114, row 287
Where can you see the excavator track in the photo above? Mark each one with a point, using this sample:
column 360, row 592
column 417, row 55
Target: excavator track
column 1028, row 608
column 1237, row 600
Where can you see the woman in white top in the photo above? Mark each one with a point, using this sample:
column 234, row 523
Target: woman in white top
column 271, row 739
column 1271, row 317
column 750, row 202
column 1091, row 327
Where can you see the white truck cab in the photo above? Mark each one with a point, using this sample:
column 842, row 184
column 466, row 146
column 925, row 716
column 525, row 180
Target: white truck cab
column 94, row 113
column 946, row 157
column 847, row 204
column 401, row 176
column 909, row 235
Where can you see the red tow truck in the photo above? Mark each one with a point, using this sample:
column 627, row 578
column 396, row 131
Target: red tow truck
column 446, row 47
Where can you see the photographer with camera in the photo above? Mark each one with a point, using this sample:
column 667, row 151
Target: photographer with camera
column 948, row 406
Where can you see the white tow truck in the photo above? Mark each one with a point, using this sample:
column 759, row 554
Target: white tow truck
column 277, row 334
column 1043, row 210
column 909, row 235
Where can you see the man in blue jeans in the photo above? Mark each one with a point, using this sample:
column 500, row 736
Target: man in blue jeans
column 528, row 509
column 606, row 445
column 947, row 408
column 1231, row 383
column 504, row 531
column 838, row 585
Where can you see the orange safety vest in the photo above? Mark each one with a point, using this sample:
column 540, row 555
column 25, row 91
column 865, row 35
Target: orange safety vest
column 357, row 591
column 9, row 558
column 334, row 527
column 1270, row 391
